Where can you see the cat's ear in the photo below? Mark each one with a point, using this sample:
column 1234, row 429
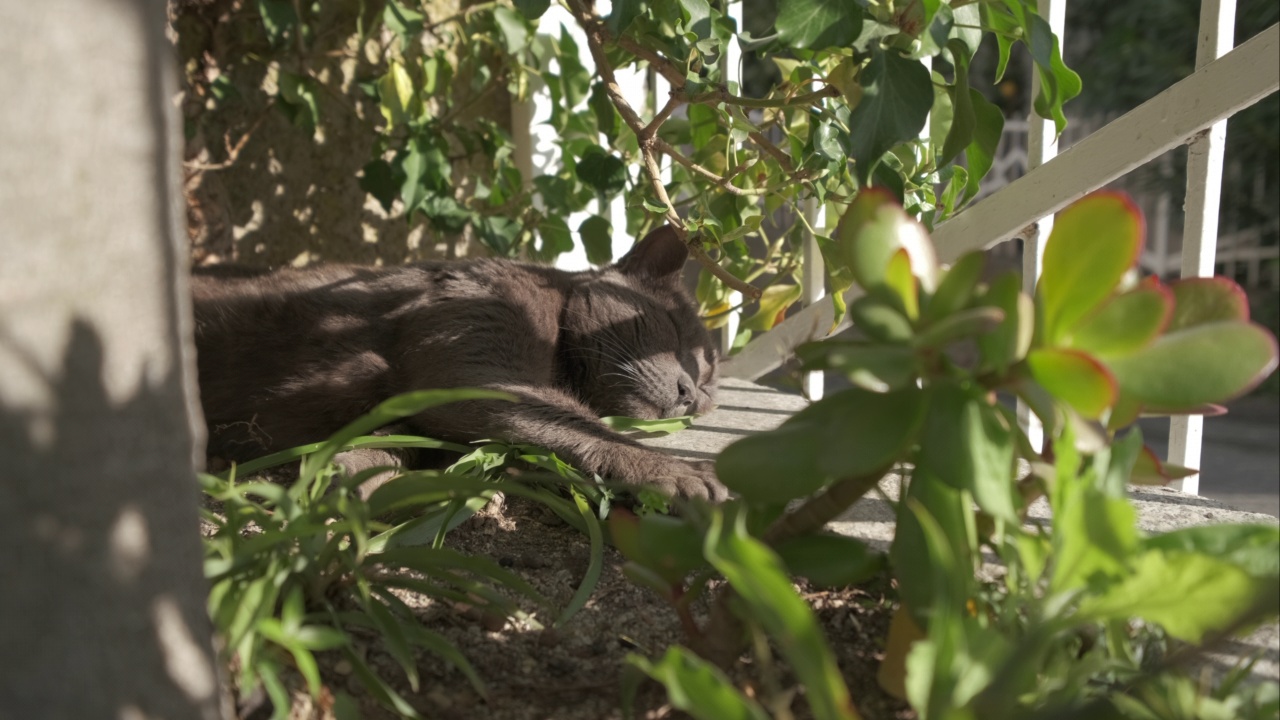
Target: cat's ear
column 660, row 256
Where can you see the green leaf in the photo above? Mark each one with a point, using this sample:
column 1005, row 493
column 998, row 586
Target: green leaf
column 1075, row 378
column 830, row 560
column 277, row 17
column 980, row 155
column 1125, row 323
column 607, row 118
column 1093, row 244
column 624, row 12
column 300, row 101
column 1204, row 300
column 597, row 238
column 773, row 307
column 1208, row 363
column 872, row 366
column 896, row 97
column 663, row 426
column 850, row 433
column 513, row 28
column 1094, row 536
column 966, row 324
column 956, row 288
column 602, row 171
column 395, row 95
column 1151, row 470
column 669, row 547
column 762, row 584
column 448, row 215
column 384, row 413
column 1009, row 342
column 556, row 237
column 1189, row 594
column 533, row 9
column 967, row 444
column 592, row 575
column 699, row 688
column 818, row 24
column 933, row 518
column 881, row 316
column 963, row 118
column 383, row 181
column 1253, row 548
column 872, row 230
column 402, row 21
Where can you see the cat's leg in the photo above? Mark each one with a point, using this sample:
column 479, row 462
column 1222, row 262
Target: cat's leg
column 559, row 422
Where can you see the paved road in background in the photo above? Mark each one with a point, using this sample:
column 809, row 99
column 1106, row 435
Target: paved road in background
column 1240, row 464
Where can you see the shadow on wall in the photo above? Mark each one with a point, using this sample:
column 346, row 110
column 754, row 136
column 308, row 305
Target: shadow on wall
column 265, row 189
column 90, row 488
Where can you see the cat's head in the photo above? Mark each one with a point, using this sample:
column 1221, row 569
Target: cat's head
column 633, row 344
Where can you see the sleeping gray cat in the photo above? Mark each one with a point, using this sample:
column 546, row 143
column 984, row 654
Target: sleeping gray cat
column 288, row 357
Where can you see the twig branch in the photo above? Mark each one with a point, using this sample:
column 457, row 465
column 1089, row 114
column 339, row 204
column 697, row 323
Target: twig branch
column 233, row 151
column 648, row 139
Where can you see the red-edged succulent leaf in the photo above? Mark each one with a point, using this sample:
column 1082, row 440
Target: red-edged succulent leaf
column 1126, row 322
column 1208, row 363
column 873, row 229
column 1075, row 378
column 1204, row 300
column 1149, row 469
column 1093, row 244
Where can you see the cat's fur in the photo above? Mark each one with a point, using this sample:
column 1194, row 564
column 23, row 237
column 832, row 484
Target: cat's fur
column 288, row 357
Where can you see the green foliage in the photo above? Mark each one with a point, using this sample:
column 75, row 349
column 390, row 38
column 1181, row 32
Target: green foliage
column 848, row 111
column 296, row 570
column 1074, row 623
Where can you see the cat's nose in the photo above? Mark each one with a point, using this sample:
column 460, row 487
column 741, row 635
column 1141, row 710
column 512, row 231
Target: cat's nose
column 684, row 392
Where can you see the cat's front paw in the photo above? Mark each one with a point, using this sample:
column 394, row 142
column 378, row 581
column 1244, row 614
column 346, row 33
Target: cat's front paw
column 687, row 479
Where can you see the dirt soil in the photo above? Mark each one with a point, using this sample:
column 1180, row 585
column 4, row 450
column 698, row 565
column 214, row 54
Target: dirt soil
column 574, row 672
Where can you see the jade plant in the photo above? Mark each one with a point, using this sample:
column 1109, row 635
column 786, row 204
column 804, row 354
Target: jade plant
column 1081, row 614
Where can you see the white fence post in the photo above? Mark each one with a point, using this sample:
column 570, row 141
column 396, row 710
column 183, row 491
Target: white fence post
column 1200, row 233
column 1042, row 146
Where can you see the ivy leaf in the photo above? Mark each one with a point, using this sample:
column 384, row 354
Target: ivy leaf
column 402, row 21
column 607, row 118
column 963, row 117
column 556, row 237
column 597, row 238
column 602, row 171
column 818, row 24
column 300, row 101
column 512, row 27
column 383, row 181
column 981, row 152
column 896, row 97
column 773, row 307
column 277, row 17
column 624, row 12
column 448, row 215
column 533, row 9
column 395, row 95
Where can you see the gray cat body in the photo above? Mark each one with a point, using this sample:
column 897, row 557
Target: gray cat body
column 288, row 357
